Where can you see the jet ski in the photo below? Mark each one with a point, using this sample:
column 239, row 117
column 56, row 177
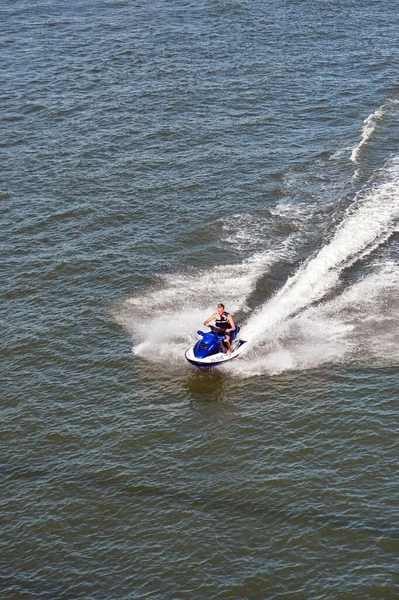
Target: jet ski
column 210, row 351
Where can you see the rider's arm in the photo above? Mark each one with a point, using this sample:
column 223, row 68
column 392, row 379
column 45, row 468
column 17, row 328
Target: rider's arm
column 210, row 319
column 231, row 323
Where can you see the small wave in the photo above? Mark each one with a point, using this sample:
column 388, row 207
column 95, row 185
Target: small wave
column 369, row 126
column 12, row 118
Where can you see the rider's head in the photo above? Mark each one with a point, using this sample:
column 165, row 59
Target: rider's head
column 220, row 309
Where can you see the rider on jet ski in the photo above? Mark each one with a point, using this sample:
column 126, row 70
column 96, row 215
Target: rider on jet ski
column 224, row 324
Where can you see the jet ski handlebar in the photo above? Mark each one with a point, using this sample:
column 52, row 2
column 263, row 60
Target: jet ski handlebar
column 221, row 337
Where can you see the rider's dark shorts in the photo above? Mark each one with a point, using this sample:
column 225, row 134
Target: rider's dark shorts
column 219, row 330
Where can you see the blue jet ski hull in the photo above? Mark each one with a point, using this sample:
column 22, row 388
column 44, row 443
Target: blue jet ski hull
column 210, row 351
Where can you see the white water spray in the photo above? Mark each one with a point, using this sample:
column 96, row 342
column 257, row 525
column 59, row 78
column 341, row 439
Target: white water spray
column 292, row 330
column 371, row 222
column 358, row 326
column 163, row 321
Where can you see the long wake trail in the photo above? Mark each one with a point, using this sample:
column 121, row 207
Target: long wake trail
column 163, row 321
column 372, row 221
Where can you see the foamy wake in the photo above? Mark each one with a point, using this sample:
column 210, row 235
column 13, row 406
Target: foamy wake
column 372, row 222
column 164, row 321
column 358, row 326
column 369, row 126
column 307, row 323
column 292, row 331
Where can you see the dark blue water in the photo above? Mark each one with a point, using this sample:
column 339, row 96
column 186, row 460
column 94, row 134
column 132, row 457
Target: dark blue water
column 158, row 158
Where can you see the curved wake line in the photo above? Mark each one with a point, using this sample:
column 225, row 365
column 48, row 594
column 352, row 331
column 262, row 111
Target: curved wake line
column 167, row 317
column 358, row 326
column 371, row 223
column 369, row 126
column 291, row 330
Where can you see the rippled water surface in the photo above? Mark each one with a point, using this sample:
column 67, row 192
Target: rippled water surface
column 158, row 158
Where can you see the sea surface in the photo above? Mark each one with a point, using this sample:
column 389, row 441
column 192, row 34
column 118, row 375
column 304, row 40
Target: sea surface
column 158, row 157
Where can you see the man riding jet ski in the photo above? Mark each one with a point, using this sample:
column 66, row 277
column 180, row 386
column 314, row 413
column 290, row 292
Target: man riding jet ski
column 224, row 325
column 218, row 345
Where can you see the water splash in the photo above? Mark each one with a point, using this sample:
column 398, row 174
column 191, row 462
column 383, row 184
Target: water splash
column 357, row 326
column 300, row 327
column 163, row 321
column 372, row 220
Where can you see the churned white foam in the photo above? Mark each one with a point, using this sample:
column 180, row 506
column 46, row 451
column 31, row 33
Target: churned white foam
column 163, row 322
column 371, row 222
column 371, row 306
column 338, row 154
column 294, row 211
column 303, row 342
column 245, row 231
column 309, row 321
column 358, row 326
